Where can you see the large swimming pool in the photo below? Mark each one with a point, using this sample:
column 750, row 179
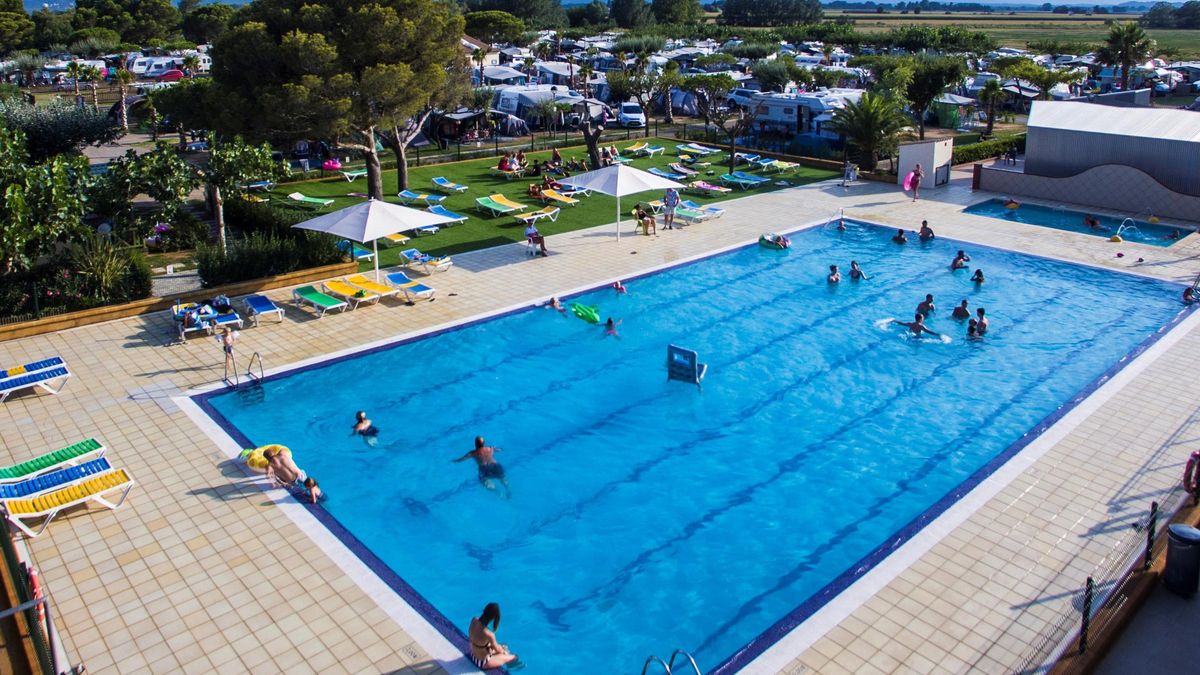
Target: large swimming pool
column 647, row 515
column 1073, row 221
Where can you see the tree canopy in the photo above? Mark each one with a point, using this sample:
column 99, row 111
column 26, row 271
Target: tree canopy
column 535, row 13
column 137, row 21
column 676, row 11
column 56, row 129
column 770, row 12
column 204, row 24
column 631, row 13
column 16, row 31
column 931, row 77
column 493, row 26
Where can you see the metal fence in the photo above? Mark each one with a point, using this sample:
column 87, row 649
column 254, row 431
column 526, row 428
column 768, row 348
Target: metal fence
column 41, row 631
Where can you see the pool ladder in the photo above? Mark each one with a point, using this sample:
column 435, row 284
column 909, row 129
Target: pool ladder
column 249, row 371
column 668, row 666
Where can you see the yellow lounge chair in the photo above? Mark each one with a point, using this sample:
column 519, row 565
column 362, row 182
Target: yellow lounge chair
column 550, row 212
column 49, row 504
column 637, row 147
column 373, row 286
column 396, row 238
column 351, row 294
column 556, row 196
column 506, row 202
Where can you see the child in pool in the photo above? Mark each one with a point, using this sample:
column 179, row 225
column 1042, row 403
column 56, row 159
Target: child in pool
column 610, row 328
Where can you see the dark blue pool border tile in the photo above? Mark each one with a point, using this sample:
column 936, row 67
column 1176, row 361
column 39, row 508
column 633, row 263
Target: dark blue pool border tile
column 753, row 649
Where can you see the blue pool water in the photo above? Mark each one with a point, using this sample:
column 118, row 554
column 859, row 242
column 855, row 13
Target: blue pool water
column 1072, row 221
column 647, row 515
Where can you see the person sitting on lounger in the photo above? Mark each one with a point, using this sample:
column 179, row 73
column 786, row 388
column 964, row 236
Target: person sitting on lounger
column 532, row 234
column 485, row 460
column 605, row 157
column 281, row 470
column 548, row 184
column 535, row 169
column 535, row 191
column 645, row 219
column 520, row 159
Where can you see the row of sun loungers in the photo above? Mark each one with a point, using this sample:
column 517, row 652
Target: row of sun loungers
column 50, row 375
column 43, row 487
column 355, row 290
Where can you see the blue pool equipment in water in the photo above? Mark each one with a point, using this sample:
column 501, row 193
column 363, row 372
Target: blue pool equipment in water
column 684, row 365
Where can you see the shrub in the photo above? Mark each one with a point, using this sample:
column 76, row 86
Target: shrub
column 250, row 217
column 185, row 232
column 987, row 149
column 262, row 255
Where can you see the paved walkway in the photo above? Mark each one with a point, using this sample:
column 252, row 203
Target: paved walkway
column 200, row 572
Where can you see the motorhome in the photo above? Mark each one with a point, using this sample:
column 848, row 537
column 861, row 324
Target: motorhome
column 801, row 112
column 520, row 100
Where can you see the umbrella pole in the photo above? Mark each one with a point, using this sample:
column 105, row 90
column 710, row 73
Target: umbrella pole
column 375, row 246
column 618, row 217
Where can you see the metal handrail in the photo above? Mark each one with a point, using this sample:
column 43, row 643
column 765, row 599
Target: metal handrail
column 250, row 367
column 678, row 652
column 225, row 377
column 651, row 659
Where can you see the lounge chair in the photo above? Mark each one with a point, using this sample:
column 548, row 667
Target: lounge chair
column 751, row 177
column 354, row 175
column 558, row 197
column 621, row 160
column 489, row 204
column 231, row 319
column 359, row 253
column 666, row 174
column 396, row 238
column 746, row 157
column 709, row 211
column 68, row 456
column 575, row 192
column 637, row 148
column 52, row 480
column 350, row 293
column 707, row 188
column 30, row 367
column 656, row 206
column 443, row 211
column 44, row 379
column 689, row 216
column 740, row 183
column 408, row 197
column 369, row 285
column 261, row 305
column 654, row 150
column 781, row 166
column 442, row 183
column 696, row 148
column 50, row 504
column 427, row 262
column 262, row 185
column 411, row 289
column 508, row 174
column 200, row 316
column 309, row 201
column 505, row 201
column 679, row 168
column 550, row 212
column 692, row 161
column 309, row 295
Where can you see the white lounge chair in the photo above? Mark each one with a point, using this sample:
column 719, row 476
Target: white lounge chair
column 49, row 504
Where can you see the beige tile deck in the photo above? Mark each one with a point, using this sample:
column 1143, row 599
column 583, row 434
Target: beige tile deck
column 199, row 572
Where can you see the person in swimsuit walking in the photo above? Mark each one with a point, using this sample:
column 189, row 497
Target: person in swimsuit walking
column 486, row 652
column 489, row 469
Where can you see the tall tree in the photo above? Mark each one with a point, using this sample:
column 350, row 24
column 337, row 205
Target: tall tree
column 16, row 31
column 668, row 79
column 493, row 26
column 631, row 13
column 711, row 92
column 168, row 178
column 123, row 79
column 231, row 164
column 931, row 77
column 676, row 11
column 50, row 28
column 338, row 69
column 56, row 129
column 870, row 125
column 535, row 13
column 635, row 84
column 1126, row 46
column 991, row 95
column 138, row 21
column 404, row 127
column 203, row 25
column 75, row 72
column 1042, row 78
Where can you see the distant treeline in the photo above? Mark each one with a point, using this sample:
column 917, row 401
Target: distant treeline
column 916, row 7
column 1166, row 15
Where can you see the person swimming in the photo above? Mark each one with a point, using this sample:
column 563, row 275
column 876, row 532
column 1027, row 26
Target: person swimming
column 1092, row 222
column 926, row 307
column 619, row 287
column 489, row 469
column 961, row 312
column 926, row 233
column 363, row 427
column 610, row 328
column 973, row 330
column 1189, row 295
column 917, row 325
column 960, row 260
column 856, row 272
column 977, row 277
column 900, row 238
column 982, row 323
column 834, row 275
column 556, row 304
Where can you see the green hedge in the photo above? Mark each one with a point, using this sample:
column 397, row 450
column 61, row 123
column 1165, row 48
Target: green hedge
column 263, row 255
column 987, row 149
column 56, row 287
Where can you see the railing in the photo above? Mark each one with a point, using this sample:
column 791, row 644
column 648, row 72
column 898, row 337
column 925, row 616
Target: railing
column 42, row 633
column 250, row 367
column 668, row 666
column 690, row 661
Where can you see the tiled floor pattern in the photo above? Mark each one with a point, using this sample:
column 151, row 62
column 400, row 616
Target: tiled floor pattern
column 199, row 572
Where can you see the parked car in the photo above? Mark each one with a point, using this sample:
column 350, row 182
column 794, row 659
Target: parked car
column 740, row 97
column 173, row 75
column 631, row 115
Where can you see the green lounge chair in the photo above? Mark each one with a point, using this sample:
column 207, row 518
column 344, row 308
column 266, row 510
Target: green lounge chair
column 487, row 204
column 308, row 201
column 68, row 456
column 741, row 183
column 689, row 216
column 309, row 295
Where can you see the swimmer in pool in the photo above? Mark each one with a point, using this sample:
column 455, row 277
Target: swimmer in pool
column 841, row 225
column 856, row 272
column 973, row 330
column 961, row 312
column 364, row 428
column 610, row 328
column 960, row 260
column 982, row 326
column 834, row 275
column 926, row 307
column 1189, row 295
column 978, row 276
column 926, row 233
column 900, row 238
column 489, row 469
column 917, row 325
column 1092, row 222
column 556, row 305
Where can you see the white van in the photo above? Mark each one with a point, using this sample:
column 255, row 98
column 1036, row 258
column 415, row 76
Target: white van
column 161, row 64
column 631, row 115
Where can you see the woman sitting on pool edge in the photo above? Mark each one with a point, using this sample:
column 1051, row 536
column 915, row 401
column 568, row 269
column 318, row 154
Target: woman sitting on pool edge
column 486, row 651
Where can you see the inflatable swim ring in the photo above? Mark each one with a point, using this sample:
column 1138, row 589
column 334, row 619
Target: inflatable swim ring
column 1011, row 205
column 1153, row 219
column 588, row 313
column 254, row 456
column 774, row 241
column 1116, row 238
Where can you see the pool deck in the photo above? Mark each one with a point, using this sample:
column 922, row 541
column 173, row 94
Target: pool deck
column 203, row 570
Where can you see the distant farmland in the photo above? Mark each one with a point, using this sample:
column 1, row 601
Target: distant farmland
column 1015, row 30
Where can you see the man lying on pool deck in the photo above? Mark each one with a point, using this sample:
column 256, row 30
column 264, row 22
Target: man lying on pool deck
column 489, row 468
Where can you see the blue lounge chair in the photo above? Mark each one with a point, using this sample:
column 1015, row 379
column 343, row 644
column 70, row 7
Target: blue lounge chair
column 53, row 480
column 263, row 185
column 30, row 367
column 740, row 183
column 408, row 197
column 708, row 211
column 751, row 177
column 666, row 174
column 427, row 262
column 442, row 183
column 44, row 379
column 259, row 305
column 443, row 211
column 411, row 289
column 746, row 157
column 359, row 253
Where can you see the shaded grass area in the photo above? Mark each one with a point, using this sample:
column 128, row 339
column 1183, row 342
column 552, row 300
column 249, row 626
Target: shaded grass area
column 483, row 230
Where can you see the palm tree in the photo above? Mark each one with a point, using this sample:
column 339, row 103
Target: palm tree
column 547, row 111
column 93, row 76
column 529, row 65
column 570, row 71
column 191, row 63
column 991, row 94
column 1126, row 46
column 75, row 72
column 827, row 55
column 124, row 78
column 870, row 126
column 480, row 56
column 585, row 74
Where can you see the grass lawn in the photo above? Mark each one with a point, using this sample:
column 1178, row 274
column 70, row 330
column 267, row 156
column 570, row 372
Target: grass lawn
column 484, row 230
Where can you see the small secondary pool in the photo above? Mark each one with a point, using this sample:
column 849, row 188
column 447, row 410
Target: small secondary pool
column 1072, row 221
column 647, row 515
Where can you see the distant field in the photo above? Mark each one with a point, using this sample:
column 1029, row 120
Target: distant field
column 1016, row 30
